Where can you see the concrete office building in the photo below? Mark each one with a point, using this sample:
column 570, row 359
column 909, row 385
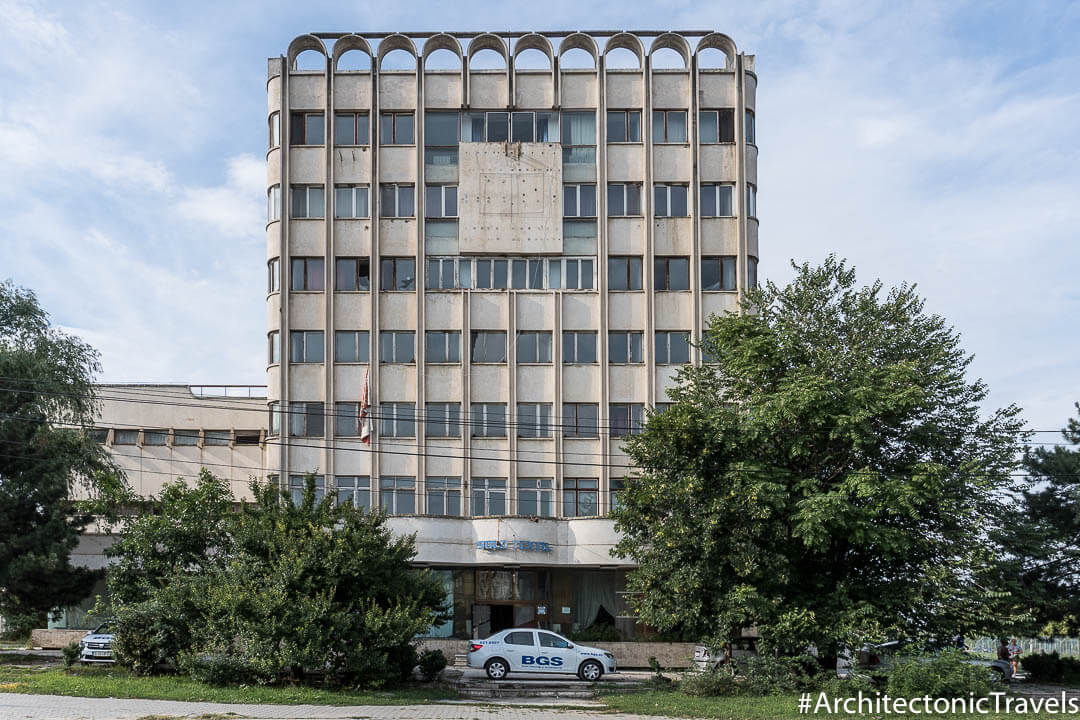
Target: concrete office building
column 500, row 270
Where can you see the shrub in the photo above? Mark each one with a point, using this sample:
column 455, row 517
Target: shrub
column 1051, row 667
column 598, row 632
column 950, row 674
column 709, row 683
column 769, row 675
column 220, row 669
column 431, row 664
column 71, row 653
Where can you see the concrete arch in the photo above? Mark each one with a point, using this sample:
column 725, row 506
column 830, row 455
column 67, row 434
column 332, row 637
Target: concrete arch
column 489, row 41
column 442, row 41
column 302, row 43
column 579, row 41
column 397, row 41
column 535, row 41
column 627, row 41
column 348, row 43
column 671, row 41
column 721, row 42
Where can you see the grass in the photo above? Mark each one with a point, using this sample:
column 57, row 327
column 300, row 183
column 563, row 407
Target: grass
column 784, row 707
column 121, row 683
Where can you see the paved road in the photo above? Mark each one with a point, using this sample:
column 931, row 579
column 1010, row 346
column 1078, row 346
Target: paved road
column 14, row 706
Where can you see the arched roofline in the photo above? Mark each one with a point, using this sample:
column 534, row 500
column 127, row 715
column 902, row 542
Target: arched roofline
column 397, row 41
column 671, row 41
column 442, row 41
column 302, row 43
column 721, row 42
column 535, row 41
column 488, row 41
column 351, row 42
column 579, row 41
column 626, row 41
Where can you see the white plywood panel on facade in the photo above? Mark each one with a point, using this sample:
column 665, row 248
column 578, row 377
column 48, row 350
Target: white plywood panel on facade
column 306, row 382
column 304, row 458
column 625, row 162
column 535, row 383
column 626, row 236
column 487, row 89
column 625, row 90
column 533, row 90
column 307, row 237
column 352, row 91
column 535, row 311
column 307, row 165
column 674, row 310
column 510, row 198
column 397, row 457
column 397, row 383
column 578, row 89
column 489, row 383
column 442, row 383
column 352, row 165
column 671, row 236
column 672, row 163
column 670, row 89
column 717, row 89
column 352, row 457
column 397, row 311
column 720, row 303
column 306, row 311
column 397, row 90
column 627, row 383
column 488, row 310
column 397, row 164
column 352, row 237
column 442, row 90
column 581, row 311
column 626, row 311
column 352, row 310
column 307, row 91
column 665, row 378
column 718, row 163
column 349, row 382
column 397, row 236
column 442, row 310
column 581, row 383
column 719, row 236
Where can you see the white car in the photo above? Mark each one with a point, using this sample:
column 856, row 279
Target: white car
column 96, row 645
column 527, row 650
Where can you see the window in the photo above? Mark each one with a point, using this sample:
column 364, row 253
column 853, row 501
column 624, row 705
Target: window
column 717, row 126
column 217, row 437
column 306, row 346
column 578, row 274
column 751, row 200
column 534, row 347
column 671, row 273
column 498, row 126
column 396, row 128
column 579, row 138
column 440, row 201
column 306, row 419
column 717, row 201
column 527, row 273
column 354, row 490
column 520, row 638
column 518, row 127
column 579, row 201
column 751, row 271
column 581, row 497
column 99, row 435
column 442, row 420
column 273, row 203
column 491, row 274
column 347, row 419
column 523, row 127
column 488, row 419
column 307, row 202
column 273, row 276
column 397, row 346
column 274, row 128
column 718, row 273
column 248, row 437
column 624, row 348
column 397, row 274
column 534, row 420
column 307, row 129
column 352, row 346
column 351, row 128
column 669, row 126
column 624, row 273
column 536, row 498
column 395, row 200
column 444, row 496
column 352, row 274
column 397, row 494
column 442, row 346
column 623, row 126
column 440, row 139
column 155, row 437
column 488, row 346
column 273, row 347
column 191, row 437
column 397, row 419
column 751, row 128
column 626, row 418
column 552, row 641
column 351, row 201
column 578, row 347
column 617, row 486
column 580, row 419
column 488, row 496
column 672, row 347
column 447, row 273
column 670, row 201
column 297, row 484
column 623, row 200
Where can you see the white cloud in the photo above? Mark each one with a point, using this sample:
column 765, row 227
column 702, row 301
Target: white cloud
column 236, row 208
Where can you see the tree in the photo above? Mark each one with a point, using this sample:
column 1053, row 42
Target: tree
column 47, row 403
column 827, row 479
column 1041, row 541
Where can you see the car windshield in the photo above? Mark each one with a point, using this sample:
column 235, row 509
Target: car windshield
column 104, row 628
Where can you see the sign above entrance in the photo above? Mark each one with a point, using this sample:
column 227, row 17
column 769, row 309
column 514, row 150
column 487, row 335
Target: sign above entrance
column 526, row 545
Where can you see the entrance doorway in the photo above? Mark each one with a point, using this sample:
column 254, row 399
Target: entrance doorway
column 490, row 619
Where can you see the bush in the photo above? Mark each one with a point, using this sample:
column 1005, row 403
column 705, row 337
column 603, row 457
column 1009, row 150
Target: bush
column 220, row 669
column 152, row 633
column 950, row 674
column 757, row 676
column 709, row 683
column 1051, row 667
column 71, row 653
column 431, row 664
column 598, row 632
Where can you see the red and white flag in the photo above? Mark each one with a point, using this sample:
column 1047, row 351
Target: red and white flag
column 365, row 423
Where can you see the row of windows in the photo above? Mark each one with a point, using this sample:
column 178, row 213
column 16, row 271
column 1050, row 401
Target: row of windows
column 444, row 420
column 176, row 437
column 396, row 495
column 579, row 347
column 398, row 274
column 446, row 129
column 308, row 202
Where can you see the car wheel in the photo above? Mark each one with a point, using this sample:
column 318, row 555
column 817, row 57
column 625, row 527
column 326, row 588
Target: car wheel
column 496, row 668
column 590, row 671
column 997, row 676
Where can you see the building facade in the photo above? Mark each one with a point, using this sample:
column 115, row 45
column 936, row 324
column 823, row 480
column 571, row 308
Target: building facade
column 481, row 280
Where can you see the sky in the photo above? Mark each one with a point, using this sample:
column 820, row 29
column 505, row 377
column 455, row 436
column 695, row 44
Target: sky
column 929, row 143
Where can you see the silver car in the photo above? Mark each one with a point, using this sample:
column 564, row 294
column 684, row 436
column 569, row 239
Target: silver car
column 526, row 650
column 96, row 645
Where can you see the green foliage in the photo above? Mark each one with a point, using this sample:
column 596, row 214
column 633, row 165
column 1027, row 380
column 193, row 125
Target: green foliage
column 219, row 670
column 829, row 479
column 432, row 662
column 276, row 591
column 709, row 683
column 948, row 674
column 47, row 402
column 597, row 632
column 1052, row 668
column 70, row 653
column 758, row 675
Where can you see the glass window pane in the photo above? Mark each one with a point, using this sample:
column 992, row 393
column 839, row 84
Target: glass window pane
column 680, row 348
column 707, row 126
column 633, row 200
column 586, row 274
column 500, row 275
column 708, row 200
column 615, row 196
column 660, row 200
column 617, row 273
column 386, row 347
column 345, row 275
column 518, row 273
column 710, row 274
column 405, row 200
column 634, row 126
column 440, row 128
column 313, row 128
column 588, row 201
column 388, row 200
column 464, row 272
column 570, row 206
column 522, row 130
column 554, row 274
column 403, row 346
column 450, row 201
column 676, row 126
column 403, row 129
column 678, row 201
column 433, row 201
column 386, row 129
column 344, row 129
column 726, row 125
column 616, row 126
column 406, row 274
column 725, row 207
column 447, row 279
column 679, row 267
column 498, row 127
column 536, row 274
column 547, row 127
column 635, row 347
column 635, row 273
column 362, row 129
column 572, row 274
column 728, row 264
column 658, row 126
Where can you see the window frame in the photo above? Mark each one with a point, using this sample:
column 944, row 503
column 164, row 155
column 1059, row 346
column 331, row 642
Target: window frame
column 360, row 343
column 720, row 135
column 273, row 203
column 397, row 419
column 485, row 489
column 297, row 485
column 572, row 424
column 273, row 275
column 664, row 128
column 634, row 420
column 722, row 262
column 668, row 334
column 306, row 419
column 357, row 486
column 667, row 261
column 576, row 488
column 751, row 200
column 395, row 116
column 627, row 342
column 305, row 127
column 750, row 127
column 544, row 490
column 446, row 199
column 359, row 140
column 482, row 424
column 666, row 189
column 576, row 190
column 531, row 421
column 534, row 336
column 397, row 211
column 624, row 189
column 714, row 190
column 354, row 195
column 444, row 486
column 273, row 130
column 361, row 280
column 389, row 339
column 273, row 347
column 395, row 487
column 626, row 273
column 626, row 125
column 307, row 191
column 451, row 346
column 442, row 420
column 572, row 347
column 396, row 276
column 307, row 275
column 312, row 343
column 486, row 336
